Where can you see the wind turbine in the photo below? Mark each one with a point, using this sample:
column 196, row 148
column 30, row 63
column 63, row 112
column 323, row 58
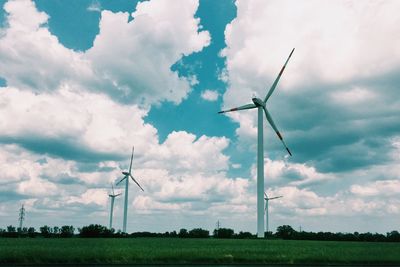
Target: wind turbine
column 112, row 196
column 126, row 178
column 261, row 106
column 266, row 208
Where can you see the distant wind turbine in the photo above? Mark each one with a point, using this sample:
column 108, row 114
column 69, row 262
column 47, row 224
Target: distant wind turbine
column 126, row 178
column 112, row 196
column 267, row 199
column 261, row 106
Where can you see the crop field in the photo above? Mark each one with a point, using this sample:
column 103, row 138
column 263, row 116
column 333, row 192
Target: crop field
column 186, row 251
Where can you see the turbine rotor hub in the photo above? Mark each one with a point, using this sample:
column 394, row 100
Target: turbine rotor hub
column 258, row 102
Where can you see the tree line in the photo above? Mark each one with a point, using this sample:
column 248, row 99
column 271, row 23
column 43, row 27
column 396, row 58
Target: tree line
column 287, row 232
column 282, row 232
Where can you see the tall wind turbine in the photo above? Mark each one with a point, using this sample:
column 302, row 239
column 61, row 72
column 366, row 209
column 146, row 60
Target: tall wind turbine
column 126, row 178
column 266, row 208
column 112, row 196
column 261, row 106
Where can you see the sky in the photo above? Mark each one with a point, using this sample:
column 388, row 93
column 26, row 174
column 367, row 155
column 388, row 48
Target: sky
column 84, row 81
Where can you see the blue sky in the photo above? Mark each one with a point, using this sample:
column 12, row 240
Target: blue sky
column 82, row 82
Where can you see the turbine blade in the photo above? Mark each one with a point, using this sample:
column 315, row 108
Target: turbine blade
column 121, row 180
column 112, row 186
column 137, row 183
column 269, row 118
column 118, row 194
column 271, row 90
column 130, row 166
column 275, row 197
column 248, row 106
column 265, row 194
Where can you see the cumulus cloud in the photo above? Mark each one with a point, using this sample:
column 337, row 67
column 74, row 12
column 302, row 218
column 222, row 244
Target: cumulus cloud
column 95, row 6
column 304, row 202
column 354, row 96
column 331, row 99
column 132, row 65
column 58, row 156
column 74, row 120
column 377, row 188
column 26, row 42
column 182, row 151
column 150, row 44
column 282, row 172
column 336, row 103
column 209, row 95
column 74, row 129
column 181, row 184
column 345, row 37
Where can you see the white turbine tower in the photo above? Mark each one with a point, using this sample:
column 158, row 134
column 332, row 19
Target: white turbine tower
column 267, row 199
column 112, row 196
column 126, row 178
column 261, row 106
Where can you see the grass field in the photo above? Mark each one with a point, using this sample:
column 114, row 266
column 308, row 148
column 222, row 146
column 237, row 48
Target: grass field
column 174, row 250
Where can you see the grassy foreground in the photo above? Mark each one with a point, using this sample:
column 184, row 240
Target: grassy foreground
column 174, row 250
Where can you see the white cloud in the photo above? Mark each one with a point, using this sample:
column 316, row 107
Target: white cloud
column 182, row 151
column 132, row 65
column 377, row 188
column 355, row 95
column 301, row 202
column 77, row 116
column 341, row 41
column 294, row 174
column 31, row 57
column 149, row 45
column 209, row 95
column 91, row 196
column 336, row 42
column 236, row 166
column 95, row 6
column 60, row 99
column 15, row 164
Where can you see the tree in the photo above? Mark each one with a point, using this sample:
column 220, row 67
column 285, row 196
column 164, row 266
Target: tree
column 67, row 231
column 285, row 232
column 11, row 229
column 393, row 236
column 45, row 231
column 199, row 233
column 31, row 232
column 95, row 230
column 244, row 235
column 11, row 232
column 183, row 233
column 173, row 234
column 56, row 230
column 223, row 233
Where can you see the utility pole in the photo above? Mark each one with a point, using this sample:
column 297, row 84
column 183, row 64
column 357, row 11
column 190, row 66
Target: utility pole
column 21, row 217
column 218, row 225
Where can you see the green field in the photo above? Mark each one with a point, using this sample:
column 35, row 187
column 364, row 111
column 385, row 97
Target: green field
column 174, row 250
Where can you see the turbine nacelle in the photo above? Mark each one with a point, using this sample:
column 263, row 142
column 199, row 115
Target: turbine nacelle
column 258, row 102
column 125, row 173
